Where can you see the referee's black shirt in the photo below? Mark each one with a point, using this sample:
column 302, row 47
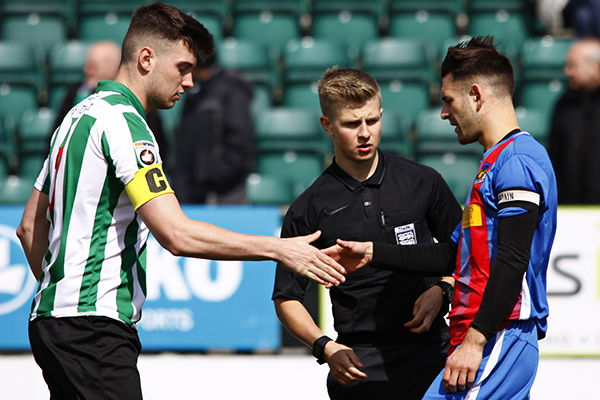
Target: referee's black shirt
column 402, row 203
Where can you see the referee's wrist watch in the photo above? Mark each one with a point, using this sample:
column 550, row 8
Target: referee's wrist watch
column 447, row 291
column 318, row 348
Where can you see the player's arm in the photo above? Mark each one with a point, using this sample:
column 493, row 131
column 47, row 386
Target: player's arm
column 183, row 236
column 515, row 236
column 33, row 231
column 433, row 259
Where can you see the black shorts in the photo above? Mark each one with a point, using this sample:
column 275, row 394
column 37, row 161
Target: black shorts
column 87, row 357
column 398, row 373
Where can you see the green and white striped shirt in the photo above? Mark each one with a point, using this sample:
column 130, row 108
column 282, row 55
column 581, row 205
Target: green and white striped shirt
column 96, row 264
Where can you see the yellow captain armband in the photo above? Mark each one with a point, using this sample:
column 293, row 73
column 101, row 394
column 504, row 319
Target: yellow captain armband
column 148, row 183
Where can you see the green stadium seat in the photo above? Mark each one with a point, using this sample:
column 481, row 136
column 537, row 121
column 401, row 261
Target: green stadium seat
column 299, row 168
column 398, row 59
column 7, row 147
column 261, row 100
column 536, row 122
column 30, row 165
column 432, row 22
column 302, row 95
column 109, row 26
column 395, row 132
column 34, row 131
column 16, row 99
column 457, row 169
column 506, row 20
column 406, row 98
column 544, row 58
column 283, row 129
column 15, row 190
column 170, row 118
column 265, row 189
column 435, row 135
column 306, row 59
column 66, row 62
column 19, row 65
column 38, row 23
column 540, row 95
column 251, row 59
column 269, row 27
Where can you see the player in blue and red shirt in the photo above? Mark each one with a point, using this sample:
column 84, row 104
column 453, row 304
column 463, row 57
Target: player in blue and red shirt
column 502, row 246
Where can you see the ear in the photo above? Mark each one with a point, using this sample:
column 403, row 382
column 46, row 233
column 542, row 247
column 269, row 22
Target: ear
column 146, row 59
column 326, row 124
column 476, row 95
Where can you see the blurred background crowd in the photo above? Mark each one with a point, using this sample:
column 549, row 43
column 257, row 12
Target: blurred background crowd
column 248, row 132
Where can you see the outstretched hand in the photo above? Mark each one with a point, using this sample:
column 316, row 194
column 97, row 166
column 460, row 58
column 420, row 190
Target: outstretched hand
column 299, row 256
column 352, row 255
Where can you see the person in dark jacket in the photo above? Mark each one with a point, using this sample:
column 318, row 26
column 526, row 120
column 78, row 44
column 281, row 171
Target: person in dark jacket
column 575, row 130
column 215, row 138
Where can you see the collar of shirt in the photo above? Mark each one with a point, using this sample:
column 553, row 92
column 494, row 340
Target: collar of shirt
column 113, row 86
column 353, row 184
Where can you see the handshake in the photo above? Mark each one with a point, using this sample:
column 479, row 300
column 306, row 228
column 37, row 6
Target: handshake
column 327, row 266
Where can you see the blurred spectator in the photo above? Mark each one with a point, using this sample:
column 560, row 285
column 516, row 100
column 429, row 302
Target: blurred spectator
column 102, row 63
column 549, row 13
column 575, row 131
column 215, row 139
column 584, row 16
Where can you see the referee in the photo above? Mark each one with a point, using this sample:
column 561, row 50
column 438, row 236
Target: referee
column 392, row 338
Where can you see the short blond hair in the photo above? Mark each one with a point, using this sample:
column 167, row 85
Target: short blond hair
column 346, row 85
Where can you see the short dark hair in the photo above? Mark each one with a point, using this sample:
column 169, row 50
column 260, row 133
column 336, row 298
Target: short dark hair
column 345, row 85
column 479, row 57
column 164, row 21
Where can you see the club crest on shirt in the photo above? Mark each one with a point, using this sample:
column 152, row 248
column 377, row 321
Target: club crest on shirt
column 145, row 152
column 406, row 234
column 481, row 174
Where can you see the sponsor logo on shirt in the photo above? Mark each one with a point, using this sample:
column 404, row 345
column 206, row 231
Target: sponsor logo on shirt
column 480, row 177
column 406, row 234
column 145, row 152
column 472, row 216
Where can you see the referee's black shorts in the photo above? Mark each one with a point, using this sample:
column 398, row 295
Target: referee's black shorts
column 87, row 357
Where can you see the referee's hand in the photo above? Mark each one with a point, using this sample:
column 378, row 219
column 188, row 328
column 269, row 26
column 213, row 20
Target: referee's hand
column 300, row 257
column 344, row 363
column 352, row 255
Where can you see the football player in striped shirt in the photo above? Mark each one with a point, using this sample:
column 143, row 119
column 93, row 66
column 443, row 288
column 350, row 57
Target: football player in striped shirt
column 502, row 245
column 100, row 192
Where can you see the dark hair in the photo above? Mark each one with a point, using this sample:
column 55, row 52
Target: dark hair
column 164, row 21
column 345, row 85
column 479, row 57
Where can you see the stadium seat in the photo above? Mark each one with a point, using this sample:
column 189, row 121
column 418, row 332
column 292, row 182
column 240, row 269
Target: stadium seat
column 299, row 168
column 19, row 65
column 263, row 189
column 37, row 23
column 34, row 131
column 403, row 59
column 283, row 129
column 351, row 22
column 66, row 63
column 261, row 100
column 306, row 59
column 252, row 59
column 105, row 19
column 302, row 95
column 544, row 58
column 16, row 99
column 506, row 20
column 405, row 98
column 395, row 134
column 430, row 21
column 7, row 147
column 457, row 169
column 435, row 135
column 540, row 95
column 268, row 23
column 536, row 122
column 15, row 190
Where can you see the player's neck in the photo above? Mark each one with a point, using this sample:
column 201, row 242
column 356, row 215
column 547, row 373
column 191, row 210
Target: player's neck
column 359, row 170
column 499, row 123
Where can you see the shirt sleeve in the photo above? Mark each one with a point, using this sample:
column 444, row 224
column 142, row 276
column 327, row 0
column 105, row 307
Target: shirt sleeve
column 287, row 284
column 131, row 150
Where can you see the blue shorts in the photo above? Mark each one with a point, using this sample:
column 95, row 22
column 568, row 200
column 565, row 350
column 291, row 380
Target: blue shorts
column 507, row 371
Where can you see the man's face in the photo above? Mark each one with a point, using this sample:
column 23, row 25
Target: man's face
column 355, row 130
column 102, row 63
column 459, row 108
column 583, row 73
column 171, row 75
